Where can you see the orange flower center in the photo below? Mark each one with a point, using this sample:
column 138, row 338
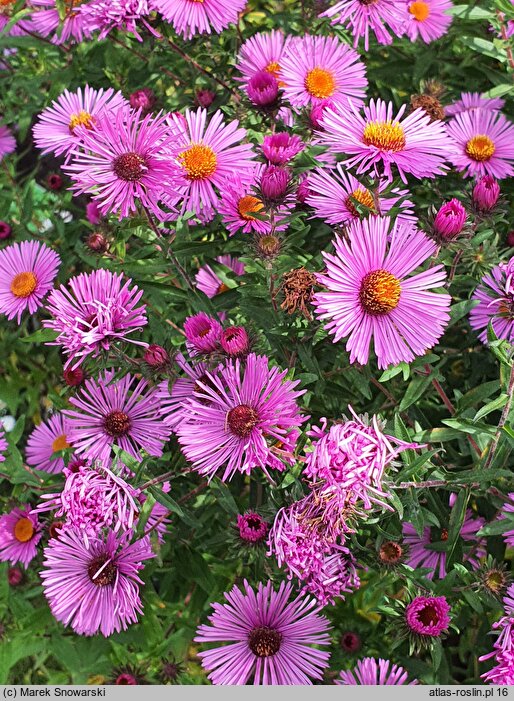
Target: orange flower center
column 23, row 530
column 23, row 284
column 81, row 119
column 320, row 83
column 386, row 136
column 364, row 197
column 420, row 10
column 199, row 161
column 60, row 443
column 273, row 68
column 379, row 293
column 480, row 148
column 248, row 204
column 222, row 288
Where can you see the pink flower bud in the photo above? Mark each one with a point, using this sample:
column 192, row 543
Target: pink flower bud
column 303, row 191
column 96, row 242
column 202, row 332
column 317, row 113
column 14, row 576
column 205, row 98
column 143, row 98
column 54, row 182
column 74, row 378
column 510, row 239
column 281, row 147
column 156, row 356
column 234, row 341
column 93, row 213
column 450, row 219
column 5, row 230
column 274, row 182
column 486, row 193
column 262, row 89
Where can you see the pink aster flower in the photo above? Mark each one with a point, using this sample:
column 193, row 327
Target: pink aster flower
column 486, row 193
column 27, row 273
column 472, row 101
column 241, row 418
column 20, row 533
column 270, row 640
column 209, row 283
column 336, row 577
column 495, row 296
column 263, row 89
column 47, row 22
column 484, row 143
column 378, row 141
column 281, row 147
column 373, row 672
column 125, row 15
column 450, row 219
column 316, row 68
column 125, row 412
column 60, row 126
column 94, row 310
column 124, row 159
column 262, row 52
column 202, row 333
column 173, row 401
column 7, row 141
column 428, row 19
column 370, row 296
column 46, row 439
column 508, row 509
column 3, row 444
column 503, row 653
column 190, row 17
column 380, row 16
column 428, row 616
column 208, row 153
column 335, row 195
column 92, row 583
column 252, row 527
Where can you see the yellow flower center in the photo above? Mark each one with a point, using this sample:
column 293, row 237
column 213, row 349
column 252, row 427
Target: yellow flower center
column 60, row 443
column 23, row 284
column 364, row 197
column 199, row 161
column 420, row 10
column 386, row 136
column 320, row 83
column 379, row 293
column 81, row 119
column 6, row 6
column 480, row 148
column 23, row 530
column 273, row 68
column 248, row 204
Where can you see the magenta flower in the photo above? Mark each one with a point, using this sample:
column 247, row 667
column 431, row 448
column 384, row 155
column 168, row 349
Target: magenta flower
column 370, row 296
column 93, row 214
column 47, row 22
column 190, row 17
column 209, row 283
column 486, row 193
column 92, row 583
column 45, row 440
column 125, row 412
column 472, row 101
column 262, row 52
column 378, row 141
column 202, row 333
column 316, row 68
column 240, row 419
column 94, row 310
column 428, row 19
column 173, row 402
column 379, row 16
column 262, row 89
column 495, row 296
column 124, row 159
column 281, row 147
column 373, row 672
column 503, row 672
column 235, row 341
column 484, row 143
column 274, row 183
column 208, row 154
column 428, row 616
column 124, row 15
column 20, row 533
column 336, row 577
column 335, row 194
column 450, row 220
column 3, row 444
column 156, row 356
column 270, row 640
column 143, row 98
column 60, row 126
column 27, row 273
column 252, row 527
column 7, row 141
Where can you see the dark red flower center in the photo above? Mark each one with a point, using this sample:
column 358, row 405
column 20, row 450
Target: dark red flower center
column 390, row 552
column 254, row 522
column 130, row 166
column 106, row 576
column 126, row 679
column 428, row 615
column 117, row 424
column 264, row 641
column 242, row 420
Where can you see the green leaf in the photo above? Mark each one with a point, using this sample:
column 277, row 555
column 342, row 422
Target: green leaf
column 40, row 336
column 495, row 405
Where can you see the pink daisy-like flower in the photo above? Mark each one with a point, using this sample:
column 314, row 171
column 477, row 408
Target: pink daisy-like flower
column 106, row 15
column 125, row 412
column 252, row 527
column 20, row 533
column 317, row 68
column 503, row 671
column 208, row 153
column 27, row 273
column 45, row 440
column 335, row 195
column 92, row 583
column 361, row 16
column 190, row 17
column 269, row 640
column 428, row 19
column 3, row 444
column 92, row 311
column 202, row 333
column 472, row 101
column 378, row 141
column 495, row 296
column 281, row 147
column 262, row 52
column 173, row 401
column 484, row 143
column 428, row 616
column 209, row 283
column 7, row 141
column 124, row 159
column 373, row 672
column 240, row 419
column 60, row 126
column 47, row 22
column 369, row 294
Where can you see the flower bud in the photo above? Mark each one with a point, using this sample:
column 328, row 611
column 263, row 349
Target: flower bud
column 5, row 230
column 156, row 356
column 317, row 113
column 14, row 576
column 234, row 341
column 274, row 182
column 262, row 89
column 281, row 147
column 205, row 98
column 143, row 98
column 486, row 193
column 96, row 242
column 202, row 332
column 350, row 641
column 302, row 191
column 93, row 213
column 74, row 378
column 510, row 239
column 268, row 245
column 450, row 219
column 54, row 182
